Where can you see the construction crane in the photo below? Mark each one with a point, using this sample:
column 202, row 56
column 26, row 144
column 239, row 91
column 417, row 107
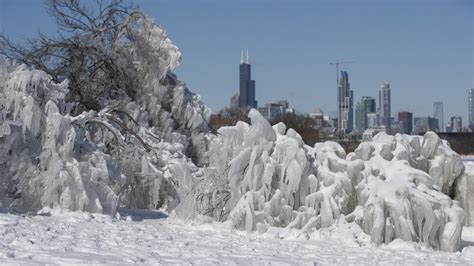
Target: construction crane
column 337, row 63
column 339, row 116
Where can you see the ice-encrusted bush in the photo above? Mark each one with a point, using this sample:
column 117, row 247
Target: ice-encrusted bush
column 38, row 168
column 396, row 200
column 463, row 193
column 393, row 187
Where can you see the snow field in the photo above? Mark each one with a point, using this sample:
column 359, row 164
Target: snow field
column 63, row 237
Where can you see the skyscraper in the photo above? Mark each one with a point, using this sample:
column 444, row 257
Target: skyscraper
column 471, row 108
column 246, row 84
column 360, row 118
column 365, row 106
column 234, row 101
column 438, row 114
column 345, row 102
column 456, row 124
column 372, row 120
column 406, row 119
column 384, row 105
column 425, row 124
column 274, row 110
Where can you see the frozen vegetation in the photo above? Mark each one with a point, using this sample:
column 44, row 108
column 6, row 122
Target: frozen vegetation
column 394, row 187
column 154, row 150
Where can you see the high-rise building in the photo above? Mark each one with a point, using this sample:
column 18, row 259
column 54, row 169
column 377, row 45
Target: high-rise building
column 425, row 124
column 234, row 101
column 365, row 106
column 360, row 117
column 372, row 120
column 247, row 84
column 318, row 117
column 345, row 102
column 438, row 114
column 406, row 120
column 456, row 124
column 384, row 105
column 274, row 110
column 471, row 108
column 284, row 103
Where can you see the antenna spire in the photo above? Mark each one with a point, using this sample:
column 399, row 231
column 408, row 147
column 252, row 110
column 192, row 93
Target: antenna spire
column 247, row 55
column 242, row 56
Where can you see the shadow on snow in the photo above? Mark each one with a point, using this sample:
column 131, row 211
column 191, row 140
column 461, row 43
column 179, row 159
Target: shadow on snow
column 141, row 214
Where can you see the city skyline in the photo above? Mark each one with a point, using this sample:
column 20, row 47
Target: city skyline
column 292, row 44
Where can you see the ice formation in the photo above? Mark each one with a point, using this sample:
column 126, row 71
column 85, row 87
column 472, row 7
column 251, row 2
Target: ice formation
column 156, row 151
column 463, row 193
column 131, row 153
column 393, row 187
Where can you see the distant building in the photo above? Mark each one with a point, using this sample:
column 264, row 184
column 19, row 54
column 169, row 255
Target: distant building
column 234, row 101
column 335, row 121
column 456, row 124
column 328, row 121
column 247, row 84
column 365, row 106
column 438, row 114
column 360, row 118
column 318, row 117
column 471, row 108
column 397, row 127
column 448, row 127
column 345, row 103
column 284, row 104
column 425, row 124
column 406, row 121
column 290, row 111
column 372, row 120
column 316, row 113
column 274, row 110
column 384, row 105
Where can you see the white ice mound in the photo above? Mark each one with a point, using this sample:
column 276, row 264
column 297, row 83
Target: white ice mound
column 395, row 200
column 464, row 187
column 393, row 187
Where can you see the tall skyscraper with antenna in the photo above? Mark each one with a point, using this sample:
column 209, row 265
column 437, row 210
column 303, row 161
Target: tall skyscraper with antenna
column 246, row 83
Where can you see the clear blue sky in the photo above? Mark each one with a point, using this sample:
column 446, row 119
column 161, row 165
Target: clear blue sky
column 423, row 48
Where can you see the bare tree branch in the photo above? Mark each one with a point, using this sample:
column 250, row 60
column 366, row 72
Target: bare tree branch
column 86, row 50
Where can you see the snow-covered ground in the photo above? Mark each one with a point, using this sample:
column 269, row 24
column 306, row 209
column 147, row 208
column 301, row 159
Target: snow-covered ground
column 64, row 237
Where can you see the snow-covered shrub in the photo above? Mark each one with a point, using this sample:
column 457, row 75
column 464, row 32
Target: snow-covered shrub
column 396, row 200
column 38, row 166
column 393, row 187
column 463, row 193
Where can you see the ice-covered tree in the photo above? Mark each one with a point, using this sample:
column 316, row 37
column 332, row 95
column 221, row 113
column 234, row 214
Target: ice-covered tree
column 121, row 119
column 88, row 52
